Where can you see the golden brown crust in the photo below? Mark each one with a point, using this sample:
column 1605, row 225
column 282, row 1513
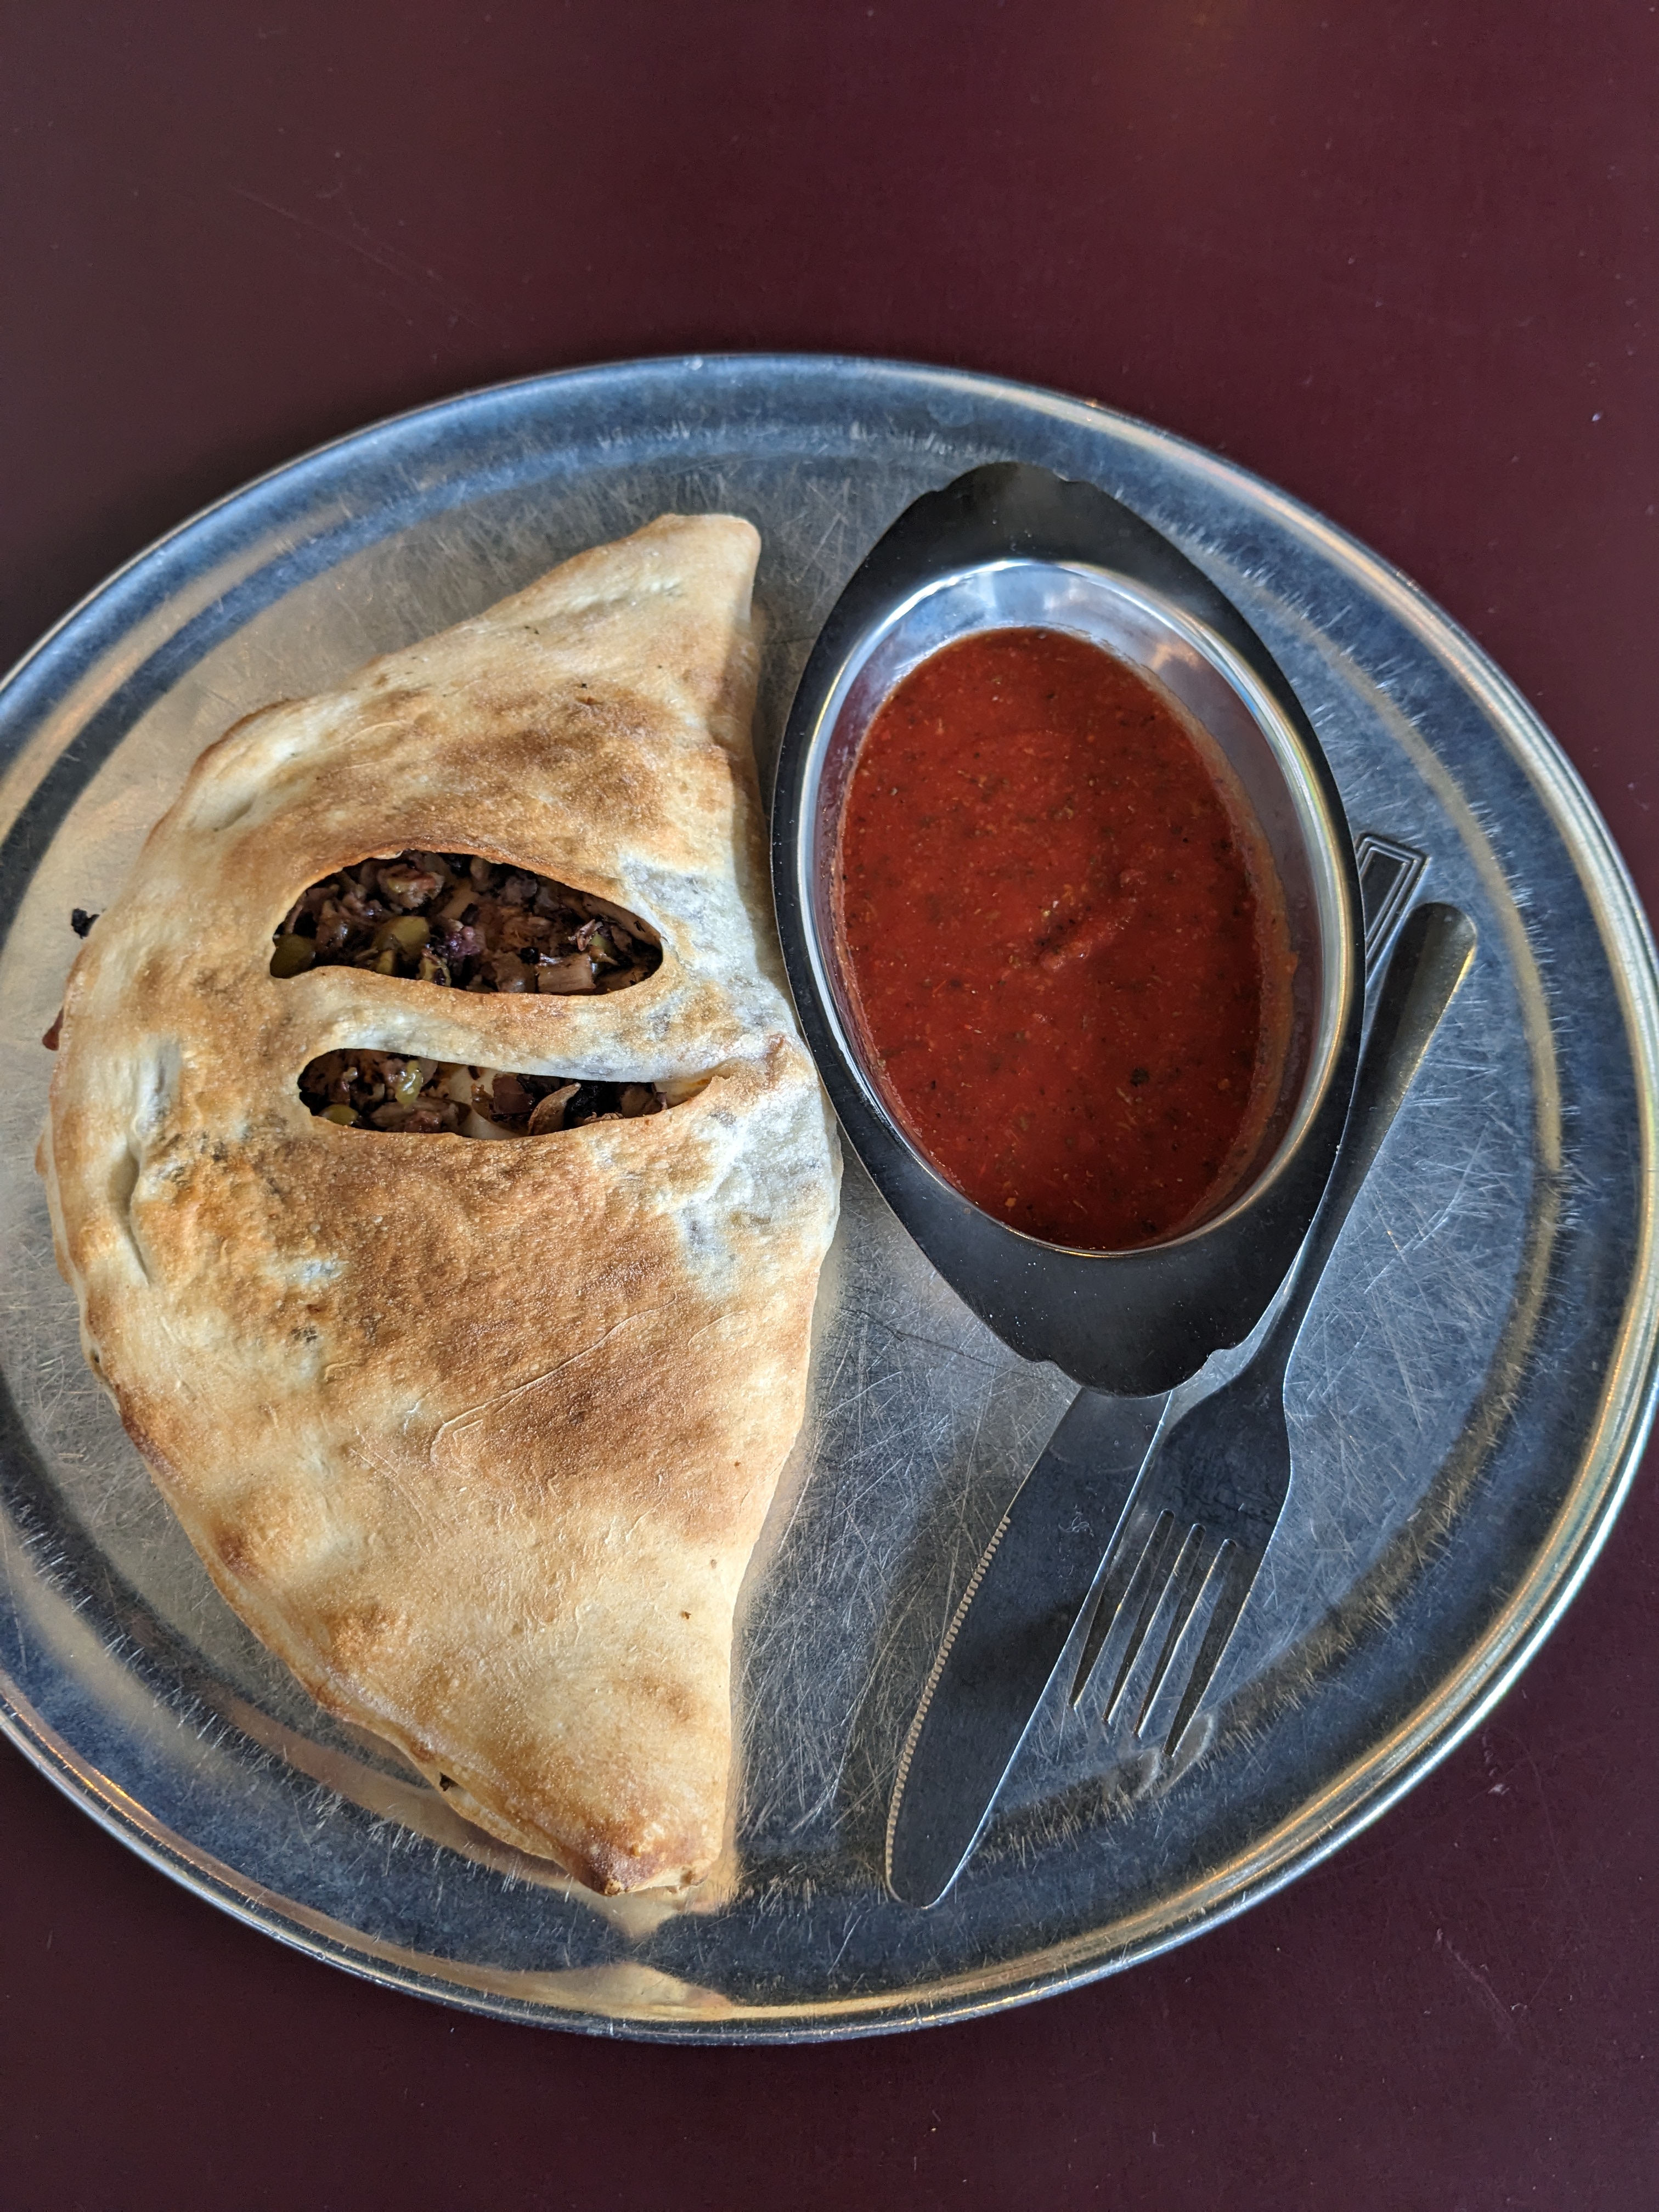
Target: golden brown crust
column 478, row 1436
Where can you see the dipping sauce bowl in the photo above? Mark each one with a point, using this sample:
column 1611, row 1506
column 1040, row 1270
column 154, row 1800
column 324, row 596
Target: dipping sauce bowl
column 1010, row 547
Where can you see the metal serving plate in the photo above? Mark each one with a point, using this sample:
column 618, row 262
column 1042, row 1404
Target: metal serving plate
column 1466, row 1407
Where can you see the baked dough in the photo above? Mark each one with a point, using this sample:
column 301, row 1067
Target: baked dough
column 477, row 1437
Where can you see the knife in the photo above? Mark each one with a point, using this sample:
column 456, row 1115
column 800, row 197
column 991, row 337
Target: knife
column 1010, row 1633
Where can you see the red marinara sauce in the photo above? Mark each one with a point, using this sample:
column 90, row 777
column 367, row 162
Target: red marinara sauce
column 1066, row 939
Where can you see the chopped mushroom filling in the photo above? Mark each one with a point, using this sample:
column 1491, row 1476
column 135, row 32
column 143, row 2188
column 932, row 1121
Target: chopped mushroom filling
column 385, row 1090
column 472, row 924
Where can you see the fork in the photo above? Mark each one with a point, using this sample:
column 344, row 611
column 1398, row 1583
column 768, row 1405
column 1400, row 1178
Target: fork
column 1204, row 1512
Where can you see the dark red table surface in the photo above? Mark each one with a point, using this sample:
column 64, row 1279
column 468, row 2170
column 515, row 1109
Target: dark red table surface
column 1400, row 260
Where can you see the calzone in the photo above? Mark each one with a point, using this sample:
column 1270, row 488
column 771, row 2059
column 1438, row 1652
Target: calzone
column 444, row 1186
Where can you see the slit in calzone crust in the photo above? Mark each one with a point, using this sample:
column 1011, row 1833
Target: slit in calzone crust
column 478, row 1437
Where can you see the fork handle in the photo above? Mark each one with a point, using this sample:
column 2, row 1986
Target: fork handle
column 1431, row 957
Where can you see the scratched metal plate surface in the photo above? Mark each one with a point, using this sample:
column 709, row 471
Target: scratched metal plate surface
column 1465, row 1404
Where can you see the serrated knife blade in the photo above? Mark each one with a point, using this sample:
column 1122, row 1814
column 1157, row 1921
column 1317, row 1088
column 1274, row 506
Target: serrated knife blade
column 1009, row 1633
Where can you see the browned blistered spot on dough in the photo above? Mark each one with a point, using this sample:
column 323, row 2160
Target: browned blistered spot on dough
column 613, row 1868
column 367, row 1635
column 235, row 1553
column 668, row 1696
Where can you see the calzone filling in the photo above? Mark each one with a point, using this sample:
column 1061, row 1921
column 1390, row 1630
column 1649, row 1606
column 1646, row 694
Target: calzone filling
column 461, row 922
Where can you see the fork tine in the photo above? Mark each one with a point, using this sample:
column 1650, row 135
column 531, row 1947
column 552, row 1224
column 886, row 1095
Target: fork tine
column 1142, row 1527
column 1190, row 1578
column 1150, row 1582
column 1234, row 1572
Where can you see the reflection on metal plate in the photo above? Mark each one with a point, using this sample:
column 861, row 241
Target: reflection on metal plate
column 1465, row 1406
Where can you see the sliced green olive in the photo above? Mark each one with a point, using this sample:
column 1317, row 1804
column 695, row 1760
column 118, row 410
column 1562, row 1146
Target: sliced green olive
column 293, row 955
column 405, row 1084
column 345, row 1115
column 387, row 963
column 407, row 933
